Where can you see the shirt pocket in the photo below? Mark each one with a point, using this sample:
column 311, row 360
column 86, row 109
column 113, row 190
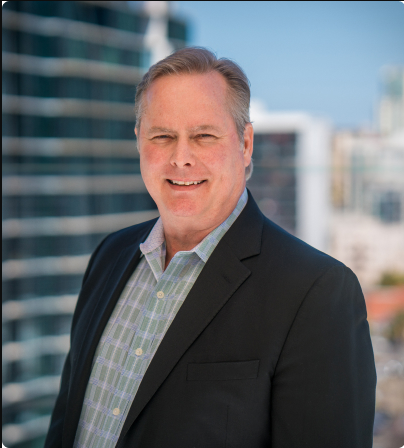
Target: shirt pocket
column 221, row 371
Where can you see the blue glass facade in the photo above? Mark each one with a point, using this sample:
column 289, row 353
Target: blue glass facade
column 70, row 176
column 273, row 183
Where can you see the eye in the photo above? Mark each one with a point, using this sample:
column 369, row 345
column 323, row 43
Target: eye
column 161, row 137
column 205, row 136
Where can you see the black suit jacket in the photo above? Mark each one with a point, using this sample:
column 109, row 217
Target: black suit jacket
column 271, row 348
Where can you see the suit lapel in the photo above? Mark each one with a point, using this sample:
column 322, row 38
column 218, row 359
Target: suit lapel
column 222, row 275
column 114, row 283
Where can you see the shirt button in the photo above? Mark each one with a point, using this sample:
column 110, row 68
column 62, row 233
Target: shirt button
column 116, row 411
column 160, row 294
column 138, row 352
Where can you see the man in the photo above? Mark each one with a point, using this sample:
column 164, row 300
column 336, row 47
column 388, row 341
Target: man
column 211, row 327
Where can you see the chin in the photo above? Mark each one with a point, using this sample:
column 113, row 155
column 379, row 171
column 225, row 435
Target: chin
column 184, row 208
column 185, row 212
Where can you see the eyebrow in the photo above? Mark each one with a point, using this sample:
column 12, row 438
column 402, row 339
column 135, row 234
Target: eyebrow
column 203, row 127
column 155, row 129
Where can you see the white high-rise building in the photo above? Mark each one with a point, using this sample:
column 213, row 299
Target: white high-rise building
column 291, row 179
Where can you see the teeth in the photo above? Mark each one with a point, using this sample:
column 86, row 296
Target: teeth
column 179, row 182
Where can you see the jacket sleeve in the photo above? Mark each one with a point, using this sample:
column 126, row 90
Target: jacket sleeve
column 54, row 436
column 323, row 390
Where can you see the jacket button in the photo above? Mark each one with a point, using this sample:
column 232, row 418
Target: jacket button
column 116, row 411
column 138, row 351
column 160, row 294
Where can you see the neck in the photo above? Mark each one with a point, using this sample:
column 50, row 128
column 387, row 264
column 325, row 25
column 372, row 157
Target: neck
column 177, row 241
column 184, row 233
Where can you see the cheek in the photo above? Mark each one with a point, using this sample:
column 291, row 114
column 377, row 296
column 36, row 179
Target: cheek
column 151, row 159
column 225, row 161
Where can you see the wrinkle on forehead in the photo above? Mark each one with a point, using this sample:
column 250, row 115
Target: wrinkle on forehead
column 195, row 129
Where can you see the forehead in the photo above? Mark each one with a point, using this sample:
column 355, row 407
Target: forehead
column 187, row 91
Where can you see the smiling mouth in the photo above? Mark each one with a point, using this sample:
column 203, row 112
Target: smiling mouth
column 183, row 183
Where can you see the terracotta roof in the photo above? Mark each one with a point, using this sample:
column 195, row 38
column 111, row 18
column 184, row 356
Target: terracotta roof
column 384, row 302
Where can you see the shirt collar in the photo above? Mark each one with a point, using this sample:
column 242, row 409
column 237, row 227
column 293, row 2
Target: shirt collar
column 205, row 248
column 156, row 240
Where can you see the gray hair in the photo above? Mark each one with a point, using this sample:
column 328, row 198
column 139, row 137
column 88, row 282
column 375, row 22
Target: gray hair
column 200, row 60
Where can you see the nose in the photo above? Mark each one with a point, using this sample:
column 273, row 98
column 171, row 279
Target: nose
column 182, row 154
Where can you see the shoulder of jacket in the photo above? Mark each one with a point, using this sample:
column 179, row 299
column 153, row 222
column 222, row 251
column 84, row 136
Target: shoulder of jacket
column 293, row 252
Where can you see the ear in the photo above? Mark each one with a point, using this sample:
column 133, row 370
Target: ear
column 137, row 140
column 248, row 143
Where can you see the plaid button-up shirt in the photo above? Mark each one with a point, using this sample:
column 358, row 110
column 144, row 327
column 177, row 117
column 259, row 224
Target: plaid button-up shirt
column 141, row 318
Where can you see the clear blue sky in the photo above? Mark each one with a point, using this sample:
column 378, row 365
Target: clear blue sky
column 319, row 57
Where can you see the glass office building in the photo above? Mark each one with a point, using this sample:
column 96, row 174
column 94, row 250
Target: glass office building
column 70, row 176
column 273, row 183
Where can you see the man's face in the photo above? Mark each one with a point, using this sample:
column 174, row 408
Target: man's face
column 187, row 135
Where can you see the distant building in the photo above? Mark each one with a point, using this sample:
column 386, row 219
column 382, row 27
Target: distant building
column 291, row 178
column 367, row 229
column 70, row 174
column 391, row 106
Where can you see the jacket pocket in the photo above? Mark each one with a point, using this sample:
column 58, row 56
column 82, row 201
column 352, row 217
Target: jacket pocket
column 220, row 371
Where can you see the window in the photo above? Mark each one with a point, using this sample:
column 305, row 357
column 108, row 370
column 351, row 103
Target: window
column 73, row 48
column 36, row 206
column 23, row 164
column 126, row 22
column 389, row 207
column 44, row 285
column 134, row 23
column 274, row 180
column 110, row 55
column 9, row 39
column 177, row 30
column 50, row 246
column 40, row 8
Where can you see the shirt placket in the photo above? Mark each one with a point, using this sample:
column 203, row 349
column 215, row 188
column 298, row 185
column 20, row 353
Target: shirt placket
column 139, row 354
column 141, row 350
